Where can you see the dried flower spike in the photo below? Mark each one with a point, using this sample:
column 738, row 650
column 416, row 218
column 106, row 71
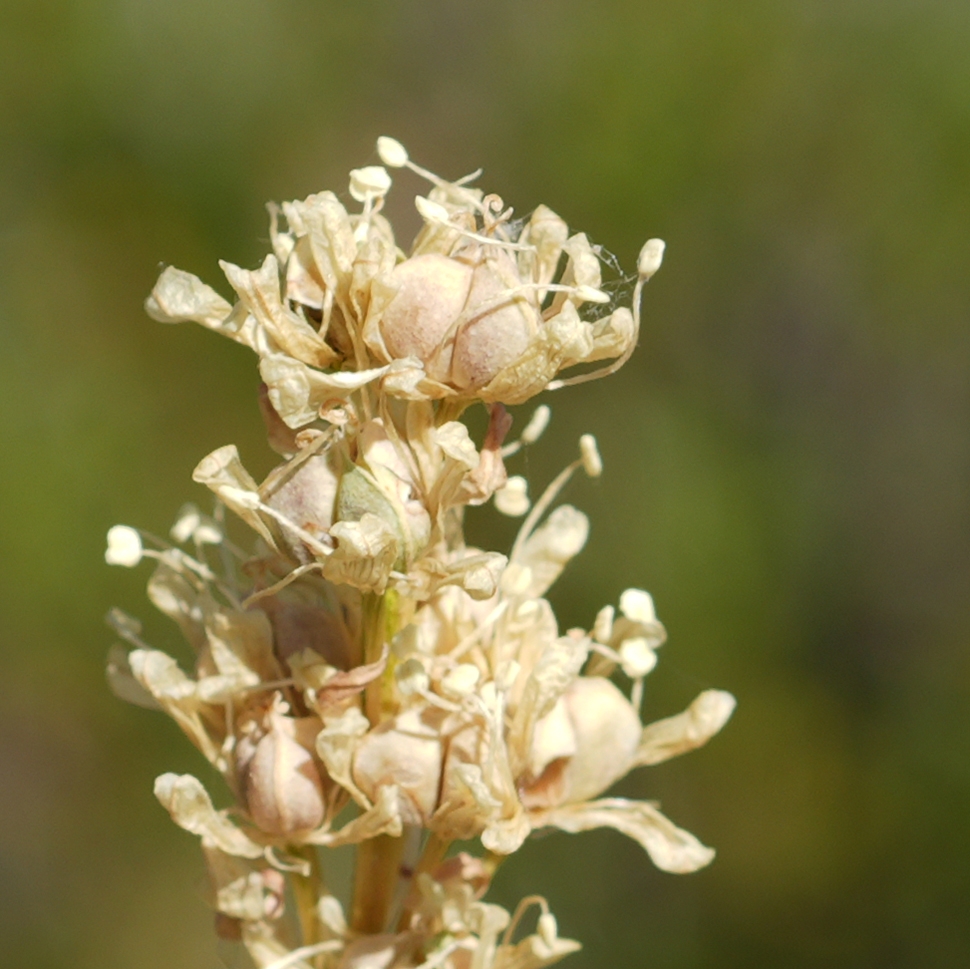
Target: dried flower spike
column 357, row 652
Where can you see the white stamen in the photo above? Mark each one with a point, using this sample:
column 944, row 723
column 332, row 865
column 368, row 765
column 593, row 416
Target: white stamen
column 588, row 294
column 412, row 677
column 367, row 184
column 651, row 255
column 392, row 152
column 591, row 295
column 547, row 929
column 637, row 605
column 476, row 634
column 461, row 680
column 520, row 910
column 431, row 211
column 650, row 258
column 538, row 422
column 188, row 521
column 542, row 506
column 513, row 499
column 208, row 534
column 637, row 658
column 592, row 462
column 124, row 546
column 603, row 627
column 251, row 500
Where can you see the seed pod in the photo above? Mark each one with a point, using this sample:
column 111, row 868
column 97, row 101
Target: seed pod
column 284, row 792
column 499, row 327
column 431, row 292
column 306, row 497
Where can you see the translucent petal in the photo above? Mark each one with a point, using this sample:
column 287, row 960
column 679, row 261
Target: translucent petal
column 670, row 848
column 184, row 797
column 688, row 730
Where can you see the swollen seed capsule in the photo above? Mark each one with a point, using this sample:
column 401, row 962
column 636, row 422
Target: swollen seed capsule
column 283, row 787
column 499, row 327
column 431, row 292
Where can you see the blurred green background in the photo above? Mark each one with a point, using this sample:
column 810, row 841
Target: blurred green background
column 788, row 454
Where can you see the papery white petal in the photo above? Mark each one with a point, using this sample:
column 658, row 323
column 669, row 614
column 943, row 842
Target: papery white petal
column 550, row 547
column 336, row 745
column 383, row 818
column 671, row 848
column 688, row 730
column 179, row 297
column 533, row 952
column 123, row 683
column 184, row 797
column 223, row 472
column 298, row 392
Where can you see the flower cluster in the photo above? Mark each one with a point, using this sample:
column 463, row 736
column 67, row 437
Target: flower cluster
column 361, row 675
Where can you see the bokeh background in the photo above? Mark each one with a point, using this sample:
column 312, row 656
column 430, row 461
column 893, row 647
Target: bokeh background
column 787, row 454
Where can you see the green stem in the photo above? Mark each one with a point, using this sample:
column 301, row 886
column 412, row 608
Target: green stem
column 375, row 879
column 373, row 632
column 434, row 853
column 307, row 890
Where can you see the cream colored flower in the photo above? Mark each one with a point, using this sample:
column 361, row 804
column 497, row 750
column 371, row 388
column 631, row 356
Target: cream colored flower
column 359, row 650
column 478, row 310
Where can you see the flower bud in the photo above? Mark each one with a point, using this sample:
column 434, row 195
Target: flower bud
column 283, row 787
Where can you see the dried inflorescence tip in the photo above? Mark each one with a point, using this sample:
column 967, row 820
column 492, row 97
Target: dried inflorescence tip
column 480, row 309
column 358, row 651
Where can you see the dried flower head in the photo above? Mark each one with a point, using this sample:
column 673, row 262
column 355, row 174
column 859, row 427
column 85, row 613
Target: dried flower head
column 359, row 654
